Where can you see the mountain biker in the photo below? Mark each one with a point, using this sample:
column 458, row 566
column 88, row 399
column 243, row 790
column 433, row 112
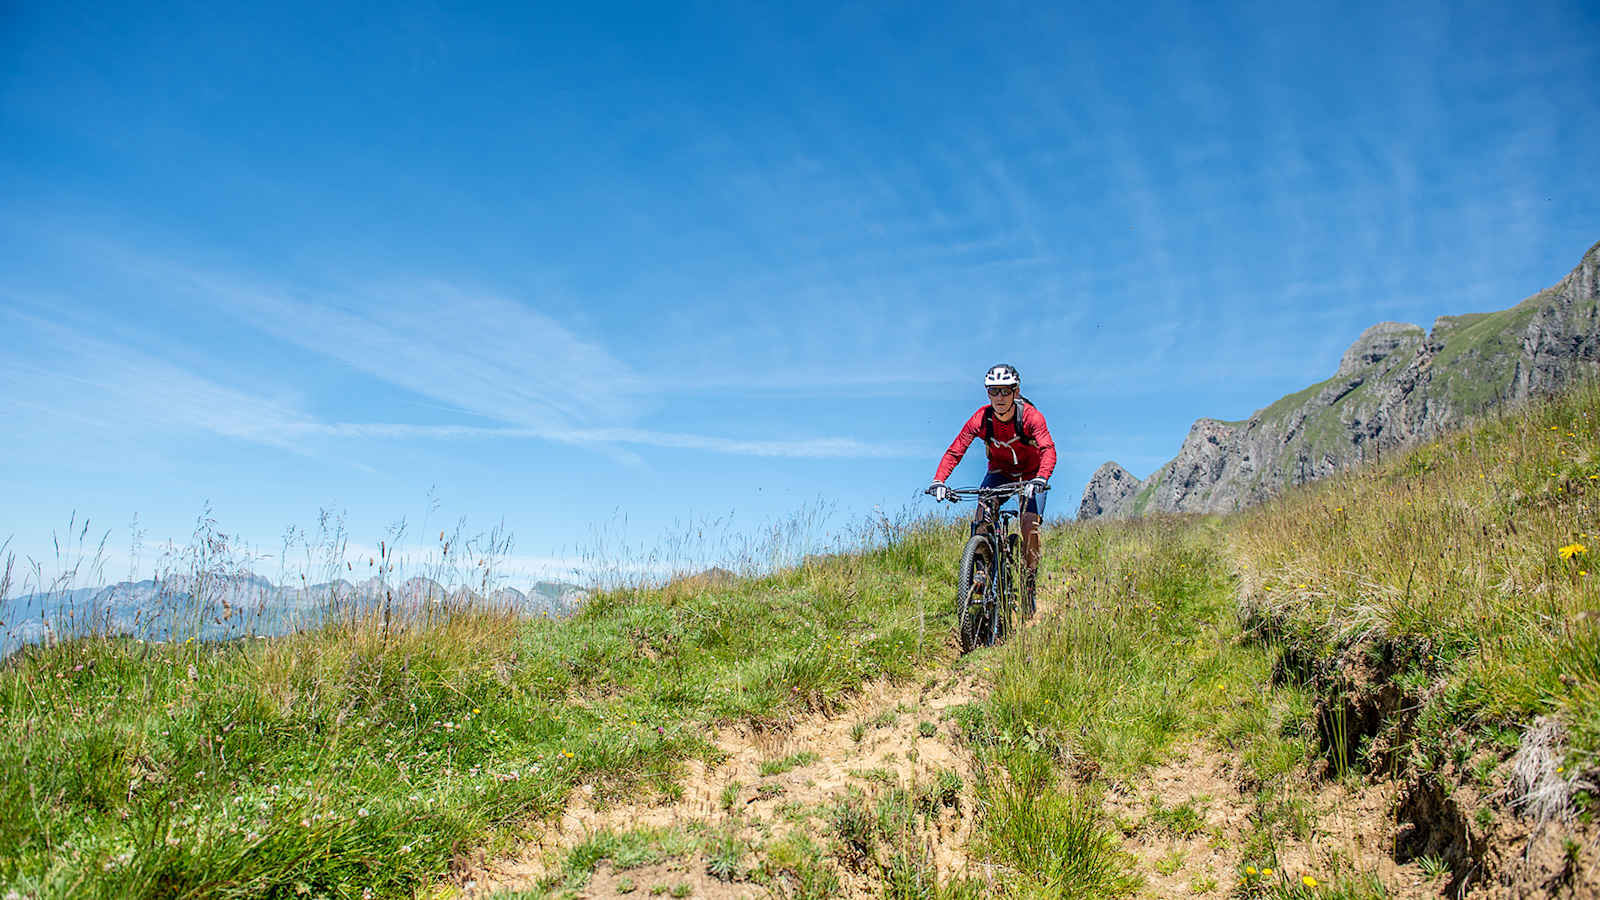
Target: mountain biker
column 1020, row 448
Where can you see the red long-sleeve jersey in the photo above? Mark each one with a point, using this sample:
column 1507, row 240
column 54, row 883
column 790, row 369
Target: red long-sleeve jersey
column 1007, row 453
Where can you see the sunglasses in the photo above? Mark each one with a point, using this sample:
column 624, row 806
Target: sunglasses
column 1001, row 391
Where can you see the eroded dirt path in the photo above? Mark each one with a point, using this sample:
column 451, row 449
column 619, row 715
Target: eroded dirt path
column 891, row 737
column 1191, row 823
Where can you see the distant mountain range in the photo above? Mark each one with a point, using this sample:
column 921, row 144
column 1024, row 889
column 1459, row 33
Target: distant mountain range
column 229, row 606
column 1395, row 386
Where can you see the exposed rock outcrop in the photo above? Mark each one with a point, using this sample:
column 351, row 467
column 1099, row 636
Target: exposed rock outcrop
column 1111, row 488
column 1395, row 385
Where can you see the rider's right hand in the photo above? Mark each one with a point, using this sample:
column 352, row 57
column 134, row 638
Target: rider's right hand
column 939, row 491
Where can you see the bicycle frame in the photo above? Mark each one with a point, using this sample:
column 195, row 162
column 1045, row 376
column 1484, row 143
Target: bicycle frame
column 1002, row 537
column 996, row 527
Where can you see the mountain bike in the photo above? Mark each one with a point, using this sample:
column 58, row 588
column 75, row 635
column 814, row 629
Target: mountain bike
column 990, row 590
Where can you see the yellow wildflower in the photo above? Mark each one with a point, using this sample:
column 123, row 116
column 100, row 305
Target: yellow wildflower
column 1250, row 870
column 1571, row 550
column 1266, row 873
column 1308, row 881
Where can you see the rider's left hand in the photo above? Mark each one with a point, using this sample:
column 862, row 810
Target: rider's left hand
column 1035, row 485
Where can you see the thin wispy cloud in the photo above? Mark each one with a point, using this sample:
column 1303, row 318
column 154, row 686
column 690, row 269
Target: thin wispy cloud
column 110, row 385
column 77, row 378
column 804, row 448
column 778, row 253
column 474, row 351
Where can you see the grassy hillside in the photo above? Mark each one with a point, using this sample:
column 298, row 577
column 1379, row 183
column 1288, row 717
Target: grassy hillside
column 1463, row 573
column 1433, row 624
column 352, row 756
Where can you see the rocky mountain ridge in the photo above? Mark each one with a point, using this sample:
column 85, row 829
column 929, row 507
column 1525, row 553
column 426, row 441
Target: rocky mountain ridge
column 1396, row 385
column 226, row 606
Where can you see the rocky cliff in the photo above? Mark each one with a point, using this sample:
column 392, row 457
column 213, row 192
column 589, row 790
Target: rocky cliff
column 1397, row 384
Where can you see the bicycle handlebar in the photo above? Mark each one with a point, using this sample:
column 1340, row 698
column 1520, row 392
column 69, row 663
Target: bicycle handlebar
column 1003, row 491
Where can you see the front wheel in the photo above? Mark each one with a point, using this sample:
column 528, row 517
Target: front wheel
column 977, row 570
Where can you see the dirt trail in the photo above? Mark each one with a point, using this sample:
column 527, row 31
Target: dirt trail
column 889, row 735
column 1188, row 820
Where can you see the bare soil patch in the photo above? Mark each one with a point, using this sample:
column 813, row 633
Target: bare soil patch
column 1190, row 821
column 1495, row 839
column 890, row 735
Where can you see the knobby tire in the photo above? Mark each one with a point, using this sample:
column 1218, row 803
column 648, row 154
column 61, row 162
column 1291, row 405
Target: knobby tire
column 976, row 560
column 1018, row 599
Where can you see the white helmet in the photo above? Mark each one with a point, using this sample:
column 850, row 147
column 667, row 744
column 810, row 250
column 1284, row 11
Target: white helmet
column 1003, row 375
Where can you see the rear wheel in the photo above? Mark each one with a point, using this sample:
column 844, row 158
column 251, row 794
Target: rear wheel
column 1004, row 606
column 1020, row 596
column 977, row 570
column 1011, row 609
column 1006, row 593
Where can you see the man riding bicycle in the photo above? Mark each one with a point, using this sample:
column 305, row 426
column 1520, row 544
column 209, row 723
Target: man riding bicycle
column 1020, row 449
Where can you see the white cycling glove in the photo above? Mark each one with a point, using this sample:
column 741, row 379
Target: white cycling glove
column 939, row 491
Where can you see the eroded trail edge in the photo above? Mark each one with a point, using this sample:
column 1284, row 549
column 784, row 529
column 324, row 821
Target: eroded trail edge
column 883, row 783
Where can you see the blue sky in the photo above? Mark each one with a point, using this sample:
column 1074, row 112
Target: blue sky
column 607, row 272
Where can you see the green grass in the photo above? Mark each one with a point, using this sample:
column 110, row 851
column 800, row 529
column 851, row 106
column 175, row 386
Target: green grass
column 1187, row 819
column 625, row 850
column 1050, row 839
column 1409, row 617
column 794, row 863
column 786, row 763
column 885, row 719
column 1279, row 410
column 1441, row 571
column 1150, row 642
column 725, row 854
column 885, row 836
column 355, row 757
column 1147, row 492
column 1148, row 646
column 1480, row 354
column 1438, row 570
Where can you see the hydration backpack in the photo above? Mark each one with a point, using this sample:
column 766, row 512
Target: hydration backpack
column 1022, row 437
